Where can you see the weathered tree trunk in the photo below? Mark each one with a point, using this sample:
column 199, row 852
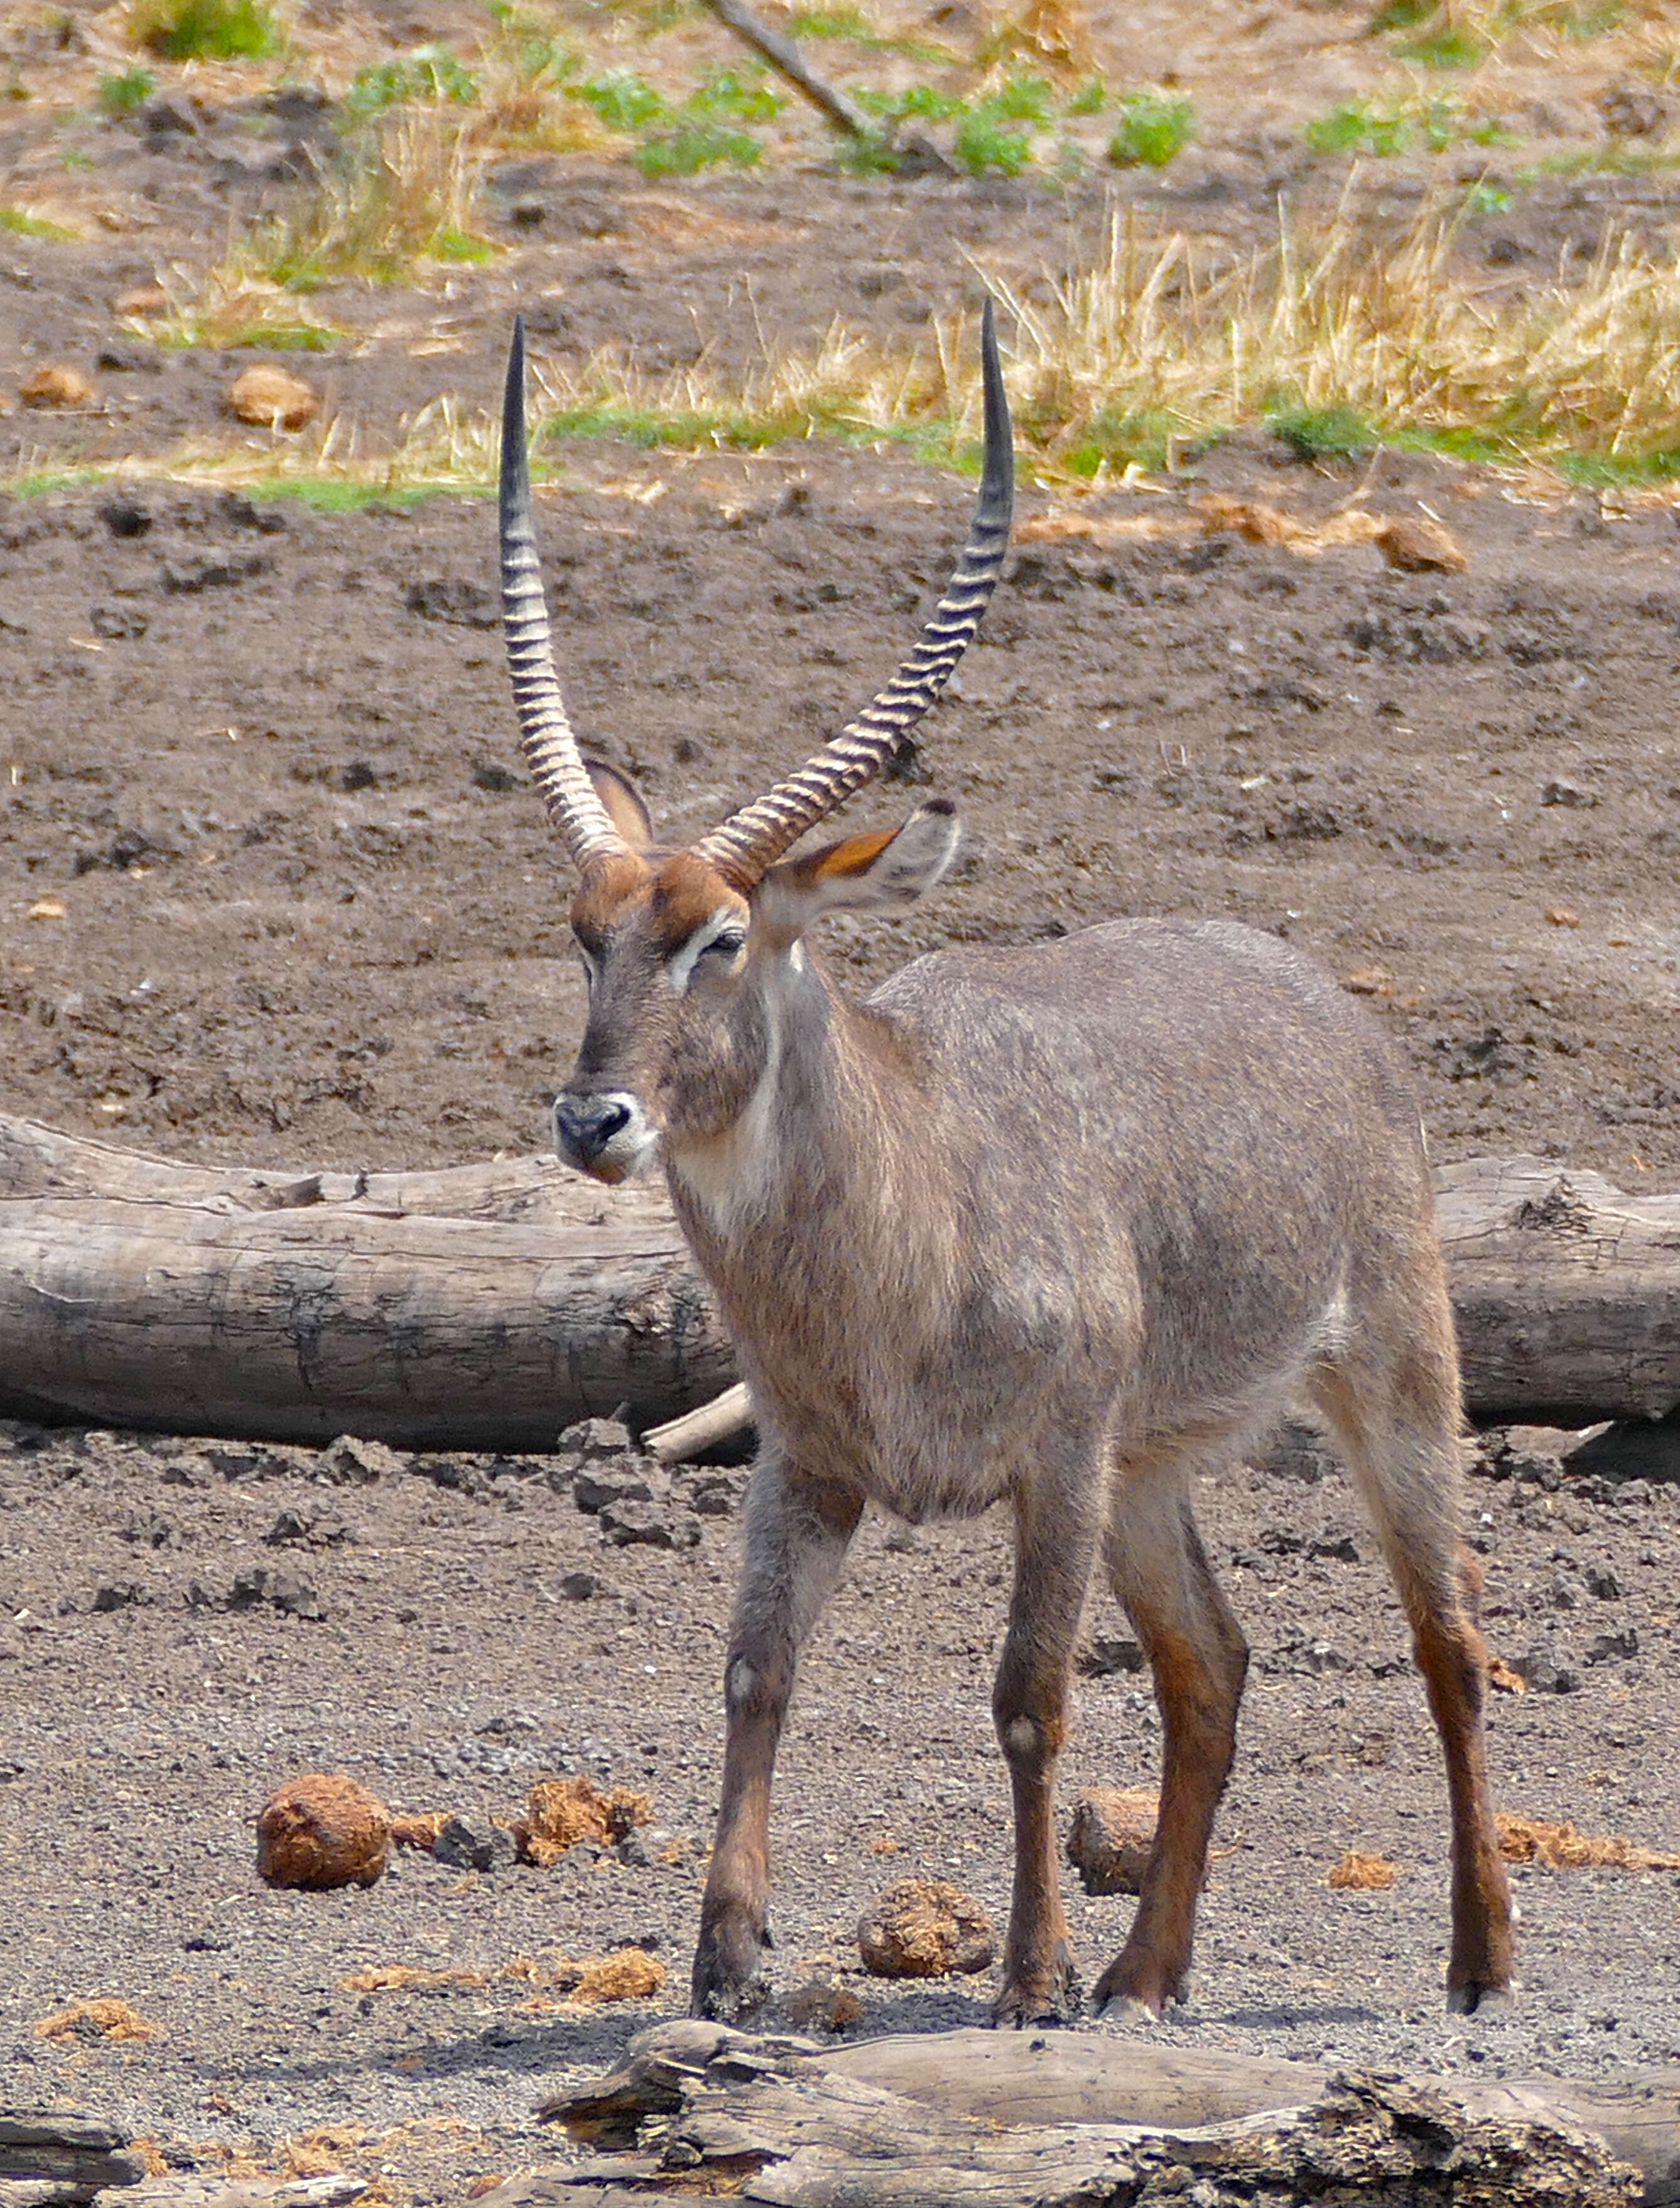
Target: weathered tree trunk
column 484, row 1308
column 1566, row 1290
column 1059, row 2119
column 488, row 1306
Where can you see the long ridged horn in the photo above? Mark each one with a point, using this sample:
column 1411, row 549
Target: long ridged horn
column 752, row 840
column 545, row 735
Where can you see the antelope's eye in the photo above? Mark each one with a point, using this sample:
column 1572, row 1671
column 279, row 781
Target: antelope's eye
column 730, row 943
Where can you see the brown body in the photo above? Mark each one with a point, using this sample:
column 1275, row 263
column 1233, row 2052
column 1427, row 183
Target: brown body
column 1058, row 1227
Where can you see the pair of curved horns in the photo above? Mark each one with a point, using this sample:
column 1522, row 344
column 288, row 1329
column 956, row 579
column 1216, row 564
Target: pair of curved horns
column 752, row 840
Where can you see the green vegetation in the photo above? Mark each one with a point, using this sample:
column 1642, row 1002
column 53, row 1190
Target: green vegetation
column 851, row 24
column 123, row 92
column 1323, row 432
column 704, row 129
column 20, row 223
column 1357, row 127
column 206, row 30
column 623, row 100
column 1154, row 127
column 424, row 73
column 693, row 146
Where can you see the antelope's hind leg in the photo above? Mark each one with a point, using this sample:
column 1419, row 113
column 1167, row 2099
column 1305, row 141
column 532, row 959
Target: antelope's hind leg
column 1056, row 1522
column 1164, row 1584
column 1397, row 1414
column 797, row 1534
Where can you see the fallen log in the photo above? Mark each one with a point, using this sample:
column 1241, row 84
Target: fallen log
column 488, row 1306
column 482, row 1308
column 1065, row 2118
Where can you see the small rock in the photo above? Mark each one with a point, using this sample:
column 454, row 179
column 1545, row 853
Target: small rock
column 468, row 604
column 626, row 1479
column 1630, row 1493
column 648, row 1524
column 322, row 1831
column 716, row 1494
column 924, row 1928
column 128, row 359
column 55, row 386
column 1419, row 547
column 591, row 1438
column 289, row 1526
column 1338, row 1548
column 1563, row 1593
column 1613, row 1647
column 1567, row 793
column 142, row 300
column 1111, row 1838
column 1631, row 110
column 1548, row 1670
column 1104, row 1660
column 491, row 774
column 1603, row 1582
column 211, row 571
column 472, row 1841
column 578, row 1586
column 295, row 1598
column 119, row 624
column 120, row 1595
column 273, row 397
column 817, row 2006
column 1318, row 1658
column 355, row 1463
column 1534, row 1469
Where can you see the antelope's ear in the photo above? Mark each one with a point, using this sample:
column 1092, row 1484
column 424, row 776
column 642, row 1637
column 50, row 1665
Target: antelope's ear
column 860, row 873
column 623, row 802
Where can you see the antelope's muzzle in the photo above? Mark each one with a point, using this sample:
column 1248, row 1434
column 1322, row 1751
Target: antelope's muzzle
column 606, row 1137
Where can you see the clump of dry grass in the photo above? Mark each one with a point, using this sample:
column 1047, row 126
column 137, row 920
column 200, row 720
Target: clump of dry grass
column 102, row 2018
column 1536, row 1839
column 229, row 306
column 1359, row 1872
column 399, row 193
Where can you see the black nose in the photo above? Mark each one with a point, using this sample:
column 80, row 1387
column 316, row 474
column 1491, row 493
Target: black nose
column 584, row 1126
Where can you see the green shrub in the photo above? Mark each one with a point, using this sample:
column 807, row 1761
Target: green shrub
column 424, row 73
column 1357, row 128
column 1155, row 126
column 1321, row 433
column 207, row 30
column 985, row 147
column 694, row 145
column 746, row 98
column 1091, row 98
column 122, row 92
column 623, row 100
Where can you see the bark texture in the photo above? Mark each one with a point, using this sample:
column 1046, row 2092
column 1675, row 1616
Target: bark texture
column 485, row 1308
column 488, row 1306
column 1057, row 2119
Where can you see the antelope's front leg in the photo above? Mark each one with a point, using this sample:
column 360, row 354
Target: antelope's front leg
column 1055, row 1542
column 797, row 1533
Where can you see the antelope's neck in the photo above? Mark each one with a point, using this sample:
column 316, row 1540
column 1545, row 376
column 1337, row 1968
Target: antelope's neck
column 833, row 1154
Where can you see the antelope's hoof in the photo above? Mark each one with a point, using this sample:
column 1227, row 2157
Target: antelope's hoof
column 730, row 1985
column 1133, row 1994
column 1029, row 2000
column 1478, row 1997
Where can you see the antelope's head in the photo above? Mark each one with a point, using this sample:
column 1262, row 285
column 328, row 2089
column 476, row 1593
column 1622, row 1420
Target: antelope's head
column 683, row 948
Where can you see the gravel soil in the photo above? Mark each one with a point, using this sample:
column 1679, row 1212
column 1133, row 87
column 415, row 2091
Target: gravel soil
column 476, row 1631
column 272, row 889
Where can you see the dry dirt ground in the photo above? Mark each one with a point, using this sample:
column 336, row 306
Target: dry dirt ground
column 271, row 888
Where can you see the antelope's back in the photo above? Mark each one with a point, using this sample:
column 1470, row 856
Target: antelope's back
column 1187, row 1117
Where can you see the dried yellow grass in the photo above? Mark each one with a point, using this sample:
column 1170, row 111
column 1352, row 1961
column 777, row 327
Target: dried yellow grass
column 1360, row 1873
column 102, row 2018
column 1535, row 1839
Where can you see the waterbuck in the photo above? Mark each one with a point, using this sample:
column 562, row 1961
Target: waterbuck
column 1058, row 1227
